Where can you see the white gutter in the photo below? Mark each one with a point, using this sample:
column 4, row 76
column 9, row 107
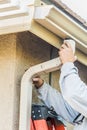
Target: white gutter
column 26, row 87
column 60, row 24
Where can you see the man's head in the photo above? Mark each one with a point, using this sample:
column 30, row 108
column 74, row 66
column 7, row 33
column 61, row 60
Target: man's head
column 67, row 50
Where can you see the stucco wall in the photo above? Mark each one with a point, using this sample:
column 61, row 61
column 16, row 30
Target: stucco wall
column 7, row 69
column 18, row 52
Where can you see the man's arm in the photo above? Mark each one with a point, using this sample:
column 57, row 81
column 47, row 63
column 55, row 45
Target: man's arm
column 74, row 90
column 51, row 97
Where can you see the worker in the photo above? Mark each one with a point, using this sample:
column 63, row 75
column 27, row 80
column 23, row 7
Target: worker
column 71, row 103
column 73, row 89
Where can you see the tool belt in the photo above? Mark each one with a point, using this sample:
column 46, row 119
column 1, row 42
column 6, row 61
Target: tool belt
column 43, row 112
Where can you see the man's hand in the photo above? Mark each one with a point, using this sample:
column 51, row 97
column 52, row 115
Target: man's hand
column 66, row 53
column 37, row 81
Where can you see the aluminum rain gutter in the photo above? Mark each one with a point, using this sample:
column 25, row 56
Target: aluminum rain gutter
column 60, row 24
column 26, row 90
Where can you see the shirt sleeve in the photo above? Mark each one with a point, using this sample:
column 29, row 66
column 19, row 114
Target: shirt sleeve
column 73, row 89
column 52, row 98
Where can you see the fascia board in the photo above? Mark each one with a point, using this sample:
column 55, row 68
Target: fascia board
column 17, row 25
column 57, row 22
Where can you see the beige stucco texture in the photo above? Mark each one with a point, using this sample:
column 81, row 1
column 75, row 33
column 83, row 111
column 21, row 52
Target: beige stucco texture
column 18, row 52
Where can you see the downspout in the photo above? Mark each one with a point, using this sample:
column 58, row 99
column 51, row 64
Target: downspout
column 26, row 90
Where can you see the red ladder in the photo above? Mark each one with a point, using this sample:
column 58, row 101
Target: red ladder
column 45, row 119
column 46, row 125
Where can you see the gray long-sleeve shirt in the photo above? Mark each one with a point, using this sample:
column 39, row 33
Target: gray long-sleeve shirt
column 51, row 97
column 70, row 85
column 74, row 91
